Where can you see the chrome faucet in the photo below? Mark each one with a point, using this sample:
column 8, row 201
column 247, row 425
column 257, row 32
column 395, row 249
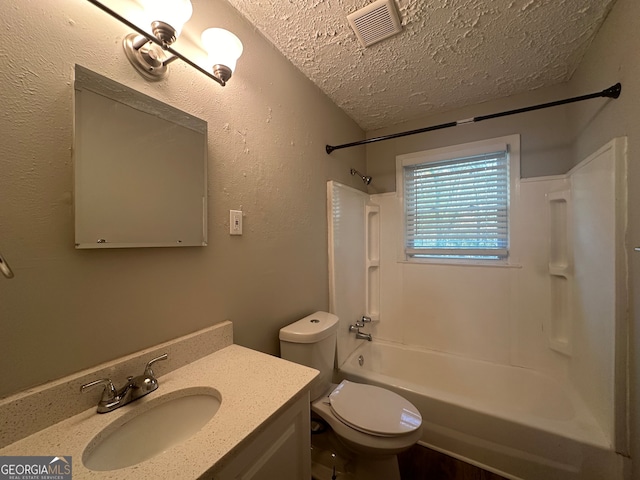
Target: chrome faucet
column 356, row 328
column 135, row 388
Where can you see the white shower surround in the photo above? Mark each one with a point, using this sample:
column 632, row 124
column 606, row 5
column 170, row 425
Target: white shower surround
column 501, row 315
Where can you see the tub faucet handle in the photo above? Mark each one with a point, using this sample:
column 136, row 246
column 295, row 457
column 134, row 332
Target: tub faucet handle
column 365, row 319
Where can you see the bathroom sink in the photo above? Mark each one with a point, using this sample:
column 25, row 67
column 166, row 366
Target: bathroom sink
column 151, row 428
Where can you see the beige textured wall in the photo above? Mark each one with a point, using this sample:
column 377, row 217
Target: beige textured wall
column 613, row 57
column 66, row 310
column 545, row 149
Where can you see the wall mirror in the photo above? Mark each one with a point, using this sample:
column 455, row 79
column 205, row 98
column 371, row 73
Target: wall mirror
column 140, row 169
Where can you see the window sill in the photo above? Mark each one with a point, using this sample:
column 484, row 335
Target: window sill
column 462, row 263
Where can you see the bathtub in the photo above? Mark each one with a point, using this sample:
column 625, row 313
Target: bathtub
column 513, row 421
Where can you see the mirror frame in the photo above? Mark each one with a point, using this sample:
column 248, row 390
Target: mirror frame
column 144, row 205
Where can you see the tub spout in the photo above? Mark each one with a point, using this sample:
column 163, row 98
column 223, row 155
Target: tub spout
column 360, row 335
column 364, row 336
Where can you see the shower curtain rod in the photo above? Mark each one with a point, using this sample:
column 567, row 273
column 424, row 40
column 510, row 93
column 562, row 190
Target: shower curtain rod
column 611, row 92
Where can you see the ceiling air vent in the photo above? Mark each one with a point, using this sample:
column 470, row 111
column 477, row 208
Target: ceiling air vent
column 375, row 22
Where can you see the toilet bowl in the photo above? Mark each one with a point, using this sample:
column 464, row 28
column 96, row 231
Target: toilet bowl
column 374, row 424
column 368, row 419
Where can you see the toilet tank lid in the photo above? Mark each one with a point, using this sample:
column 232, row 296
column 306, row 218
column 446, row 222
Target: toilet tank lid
column 310, row 329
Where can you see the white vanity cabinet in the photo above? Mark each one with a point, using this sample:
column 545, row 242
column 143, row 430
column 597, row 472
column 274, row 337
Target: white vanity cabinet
column 281, row 450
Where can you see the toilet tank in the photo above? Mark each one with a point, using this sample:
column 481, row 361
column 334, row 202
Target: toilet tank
column 311, row 341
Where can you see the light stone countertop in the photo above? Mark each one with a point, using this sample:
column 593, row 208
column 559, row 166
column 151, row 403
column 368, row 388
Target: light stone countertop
column 253, row 387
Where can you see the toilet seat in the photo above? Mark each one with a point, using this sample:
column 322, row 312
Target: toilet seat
column 374, row 410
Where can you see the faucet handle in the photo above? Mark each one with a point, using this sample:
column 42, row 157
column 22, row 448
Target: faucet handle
column 147, row 371
column 365, row 319
column 109, row 392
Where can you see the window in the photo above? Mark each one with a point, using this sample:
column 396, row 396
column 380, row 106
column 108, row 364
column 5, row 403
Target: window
column 456, row 201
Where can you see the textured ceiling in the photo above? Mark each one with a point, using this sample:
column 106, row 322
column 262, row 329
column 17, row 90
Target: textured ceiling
column 450, row 53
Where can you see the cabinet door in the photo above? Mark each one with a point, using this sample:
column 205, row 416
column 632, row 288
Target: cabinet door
column 282, row 451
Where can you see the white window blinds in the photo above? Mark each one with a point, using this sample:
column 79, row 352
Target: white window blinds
column 458, row 208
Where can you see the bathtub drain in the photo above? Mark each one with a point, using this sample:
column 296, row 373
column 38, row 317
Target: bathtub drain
column 360, row 360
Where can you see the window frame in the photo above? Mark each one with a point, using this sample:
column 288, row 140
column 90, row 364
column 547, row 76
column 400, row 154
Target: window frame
column 511, row 143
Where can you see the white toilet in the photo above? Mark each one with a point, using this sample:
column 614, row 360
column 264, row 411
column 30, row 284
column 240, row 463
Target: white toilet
column 372, row 423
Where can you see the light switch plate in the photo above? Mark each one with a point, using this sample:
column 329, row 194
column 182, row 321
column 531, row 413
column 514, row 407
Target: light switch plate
column 235, row 222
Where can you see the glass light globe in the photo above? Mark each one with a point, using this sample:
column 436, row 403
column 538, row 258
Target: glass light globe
column 223, row 47
column 173, row 12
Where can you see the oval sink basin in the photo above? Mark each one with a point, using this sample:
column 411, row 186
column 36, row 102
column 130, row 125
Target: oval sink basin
column 151, row 429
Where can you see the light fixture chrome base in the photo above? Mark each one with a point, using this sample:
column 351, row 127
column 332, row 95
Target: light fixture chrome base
column 222, row 72
column 164, row 32
column 146, row 57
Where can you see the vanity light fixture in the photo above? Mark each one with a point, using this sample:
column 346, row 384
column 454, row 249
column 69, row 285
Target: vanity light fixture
column 166, row 17
column 224, row 49
column 150, row 54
